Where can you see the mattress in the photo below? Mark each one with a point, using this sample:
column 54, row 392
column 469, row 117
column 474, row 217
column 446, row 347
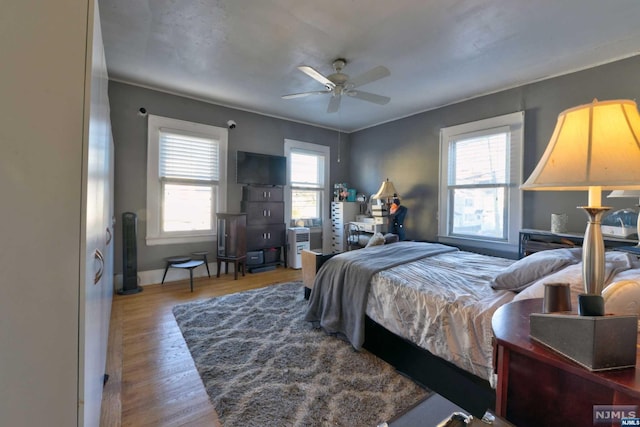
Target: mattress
column 443, row 304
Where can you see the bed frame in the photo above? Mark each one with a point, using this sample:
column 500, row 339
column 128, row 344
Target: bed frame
column 466, row 390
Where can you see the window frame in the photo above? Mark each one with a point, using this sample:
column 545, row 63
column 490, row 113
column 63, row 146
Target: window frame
column 155, row 235
column 512, row 123
column 318, row 150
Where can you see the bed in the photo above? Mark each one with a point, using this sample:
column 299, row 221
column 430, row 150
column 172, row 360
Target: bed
column 426, row 308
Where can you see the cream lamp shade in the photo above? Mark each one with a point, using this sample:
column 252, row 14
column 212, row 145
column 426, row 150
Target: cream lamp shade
column 594, row 147
column 386, row 191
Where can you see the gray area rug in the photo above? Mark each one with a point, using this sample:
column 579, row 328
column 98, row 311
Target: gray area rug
column 263, row 365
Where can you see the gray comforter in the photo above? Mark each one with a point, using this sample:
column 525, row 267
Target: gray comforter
column 339, row 296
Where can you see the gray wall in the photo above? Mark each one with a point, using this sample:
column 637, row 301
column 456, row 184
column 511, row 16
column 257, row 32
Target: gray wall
column 254, row 132
column 407, row 150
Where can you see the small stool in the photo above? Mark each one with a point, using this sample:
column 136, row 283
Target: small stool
column 174, row 260
column 203, row 255
column 238, row 262
column 190, row 265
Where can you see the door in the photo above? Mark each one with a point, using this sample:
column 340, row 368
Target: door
column 97, row 286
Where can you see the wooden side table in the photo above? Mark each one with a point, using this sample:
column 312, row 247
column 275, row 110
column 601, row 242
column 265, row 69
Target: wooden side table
column 538, row 387
column 311, row 262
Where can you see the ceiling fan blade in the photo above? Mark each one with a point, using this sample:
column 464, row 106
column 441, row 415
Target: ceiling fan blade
column 334, row 104
column 302, row 94
column 371, row 97
column 314, row 74
column 370, row 76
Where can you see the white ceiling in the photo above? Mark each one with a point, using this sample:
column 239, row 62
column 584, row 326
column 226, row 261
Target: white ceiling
column 245, row 53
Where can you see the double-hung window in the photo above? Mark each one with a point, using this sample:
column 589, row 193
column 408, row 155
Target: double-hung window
column 308, row 186
column 480, row 174
column 186, row 170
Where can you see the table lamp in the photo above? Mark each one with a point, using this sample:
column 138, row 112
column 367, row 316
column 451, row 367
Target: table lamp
column 387, row 191
column 594, row 147
column 631, row 194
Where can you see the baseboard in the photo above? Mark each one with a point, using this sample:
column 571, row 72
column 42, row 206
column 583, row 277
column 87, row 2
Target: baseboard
column 152, row 277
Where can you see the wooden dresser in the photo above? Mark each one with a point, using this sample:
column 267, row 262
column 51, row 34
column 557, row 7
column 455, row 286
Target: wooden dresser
column 538, row 387
column 264, row 206
column 540, row 240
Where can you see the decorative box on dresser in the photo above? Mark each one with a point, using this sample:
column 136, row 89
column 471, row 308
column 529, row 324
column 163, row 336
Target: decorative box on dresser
column 341, row 214
column 264, row 206
column 539, row 387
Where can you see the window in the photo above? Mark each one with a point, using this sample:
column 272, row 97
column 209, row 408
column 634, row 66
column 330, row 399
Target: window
column 480, row 174
column 186, row 186
column 308, row 184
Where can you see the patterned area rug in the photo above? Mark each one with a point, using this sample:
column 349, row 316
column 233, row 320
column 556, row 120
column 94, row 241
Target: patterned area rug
column 263, row 365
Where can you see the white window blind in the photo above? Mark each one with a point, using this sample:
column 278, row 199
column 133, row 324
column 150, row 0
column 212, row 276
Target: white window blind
column 306, row 170
column 477, row 185
column 188, row 157
column 307, row 184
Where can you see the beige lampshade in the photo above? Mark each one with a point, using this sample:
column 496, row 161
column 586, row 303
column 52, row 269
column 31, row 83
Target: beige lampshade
column 593, row 145
column 386, row 191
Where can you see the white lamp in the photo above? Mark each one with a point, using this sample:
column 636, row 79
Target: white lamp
column 630, row 194
column 387, row 191
column 594, row 147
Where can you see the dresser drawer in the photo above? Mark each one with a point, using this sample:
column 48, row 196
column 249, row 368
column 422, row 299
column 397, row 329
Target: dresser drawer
column 269, row 236
column 262, row 194
column 262, row 213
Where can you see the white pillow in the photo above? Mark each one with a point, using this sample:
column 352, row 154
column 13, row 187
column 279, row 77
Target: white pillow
column 616, row 269
column 524, row 272
column 622, row 297
column 571, row 274
column 375, row 240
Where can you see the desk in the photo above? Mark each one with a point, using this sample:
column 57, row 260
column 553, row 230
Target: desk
column 538, row 387
column 370, row 227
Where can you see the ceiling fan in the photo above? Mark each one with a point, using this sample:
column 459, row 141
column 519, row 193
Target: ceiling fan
column 339, row 83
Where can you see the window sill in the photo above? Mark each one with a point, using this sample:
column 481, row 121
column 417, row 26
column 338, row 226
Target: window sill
column 490, row 247
column 170, row 240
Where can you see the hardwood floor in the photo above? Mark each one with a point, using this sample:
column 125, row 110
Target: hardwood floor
column 152, row 378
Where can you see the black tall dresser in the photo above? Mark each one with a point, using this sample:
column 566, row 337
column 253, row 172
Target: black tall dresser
column 266, row 238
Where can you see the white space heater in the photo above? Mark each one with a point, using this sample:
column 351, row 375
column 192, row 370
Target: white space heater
column 298, row 240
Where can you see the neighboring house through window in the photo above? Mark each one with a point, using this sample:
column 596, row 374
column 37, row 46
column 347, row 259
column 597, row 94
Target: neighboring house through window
column 480, row 174
column 308, row 185
column 186, row 180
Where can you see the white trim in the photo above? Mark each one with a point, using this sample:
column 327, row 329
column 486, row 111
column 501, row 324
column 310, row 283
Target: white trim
column 514, row 122
column 154, row 234
column 322, row 150
column 154, row 277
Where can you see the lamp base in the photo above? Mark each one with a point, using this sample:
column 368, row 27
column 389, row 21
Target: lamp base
column 593, row 250
column 596, row 342
column 590, row 305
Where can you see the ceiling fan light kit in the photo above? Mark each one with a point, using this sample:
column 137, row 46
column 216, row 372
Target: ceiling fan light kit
column 339, row 83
